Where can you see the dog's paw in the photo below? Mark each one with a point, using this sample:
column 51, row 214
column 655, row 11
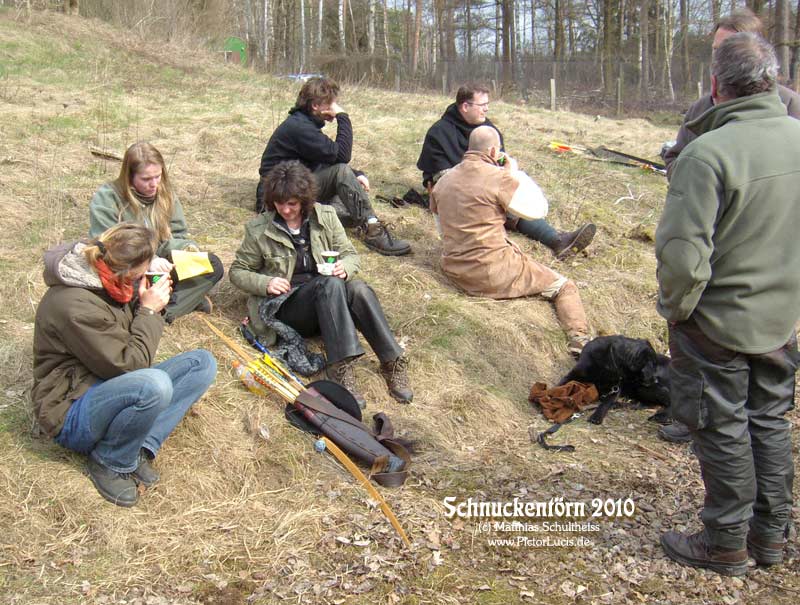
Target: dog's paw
column 596, row 419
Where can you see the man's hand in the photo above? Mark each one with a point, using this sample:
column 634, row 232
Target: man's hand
column 155, row 296
column 160, row 265
column 278, row 286
column 329, row 113
column 362, row 178
column 510, row 163
column 338, row 270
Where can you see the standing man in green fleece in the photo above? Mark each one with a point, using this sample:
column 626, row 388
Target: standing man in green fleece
column 729, row 286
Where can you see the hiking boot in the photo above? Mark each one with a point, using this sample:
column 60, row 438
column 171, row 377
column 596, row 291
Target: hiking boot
column 695, row 551
column 572, row 242
column 765, row 553
column 205, row 306
column 377, row 236
column 145, row 474
column 343, row 373
column 576, row 343
column 396, row 377
column 677, row 432
column 117, row 488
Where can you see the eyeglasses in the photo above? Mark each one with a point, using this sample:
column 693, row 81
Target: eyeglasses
column 481, row 105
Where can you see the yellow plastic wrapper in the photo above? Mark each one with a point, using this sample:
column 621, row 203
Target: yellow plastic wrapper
column 191, row 264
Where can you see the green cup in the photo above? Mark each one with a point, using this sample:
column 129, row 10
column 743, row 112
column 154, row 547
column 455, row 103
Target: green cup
column 330, row 256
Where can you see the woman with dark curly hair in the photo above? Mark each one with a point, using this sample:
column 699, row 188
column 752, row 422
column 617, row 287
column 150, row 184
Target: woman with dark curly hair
column 277, row 265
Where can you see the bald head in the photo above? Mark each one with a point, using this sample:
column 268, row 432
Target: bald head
column 484, row 138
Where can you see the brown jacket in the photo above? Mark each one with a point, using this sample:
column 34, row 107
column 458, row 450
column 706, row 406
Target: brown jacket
column 471, row 201
column 82, row 335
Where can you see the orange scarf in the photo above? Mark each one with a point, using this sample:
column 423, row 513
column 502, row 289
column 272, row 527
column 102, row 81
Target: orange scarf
column 121, row 290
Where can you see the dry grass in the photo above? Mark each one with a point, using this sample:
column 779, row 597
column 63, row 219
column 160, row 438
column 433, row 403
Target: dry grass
column 239, row 518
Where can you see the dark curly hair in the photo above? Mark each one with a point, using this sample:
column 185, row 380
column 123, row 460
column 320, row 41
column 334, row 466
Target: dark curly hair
column 290, row 180
column 316, row 91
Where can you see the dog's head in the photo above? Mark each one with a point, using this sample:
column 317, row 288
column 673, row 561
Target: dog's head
column 639, row 361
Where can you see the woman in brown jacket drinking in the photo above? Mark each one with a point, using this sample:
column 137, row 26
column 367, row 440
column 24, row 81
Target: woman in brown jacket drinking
column 95, row 339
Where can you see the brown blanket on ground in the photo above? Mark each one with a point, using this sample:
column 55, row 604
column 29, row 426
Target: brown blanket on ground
column 561, row 402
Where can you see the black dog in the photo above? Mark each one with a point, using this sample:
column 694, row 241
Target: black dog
column 626, row 367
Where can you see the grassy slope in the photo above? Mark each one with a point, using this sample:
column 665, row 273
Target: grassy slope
column 236, row 515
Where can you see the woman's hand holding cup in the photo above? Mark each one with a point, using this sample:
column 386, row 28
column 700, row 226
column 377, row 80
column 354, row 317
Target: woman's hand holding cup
column 155, row 296
column 338, row 270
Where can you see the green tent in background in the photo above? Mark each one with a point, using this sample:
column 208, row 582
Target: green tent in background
column 235, row 45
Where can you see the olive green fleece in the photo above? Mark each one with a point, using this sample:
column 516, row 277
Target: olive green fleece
column 726, row 243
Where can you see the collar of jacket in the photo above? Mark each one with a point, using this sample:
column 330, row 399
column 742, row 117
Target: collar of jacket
column 452, row 115
column 480, row 156
column 273, row 231
column 752, row 107
column 318, row 122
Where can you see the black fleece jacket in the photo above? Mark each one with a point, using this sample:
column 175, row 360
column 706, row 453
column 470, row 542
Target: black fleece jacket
column 446, row 143
column 300, row 137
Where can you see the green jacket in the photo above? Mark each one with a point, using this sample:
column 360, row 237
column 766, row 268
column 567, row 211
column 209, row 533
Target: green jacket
column 82, row 335
column 104, row 212
column 267, row 252
column 726, row 244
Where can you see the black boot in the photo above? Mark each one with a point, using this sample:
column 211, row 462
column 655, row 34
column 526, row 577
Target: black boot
column 145, row 474
column 117, row 488
column 695, row 551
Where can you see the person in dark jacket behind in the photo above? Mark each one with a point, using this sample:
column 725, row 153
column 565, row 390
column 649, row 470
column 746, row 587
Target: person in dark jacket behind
column 447, row 141
column 300, row 137
column 729, row 288
column 740, row 20
column 95, row 338
column 142, row 194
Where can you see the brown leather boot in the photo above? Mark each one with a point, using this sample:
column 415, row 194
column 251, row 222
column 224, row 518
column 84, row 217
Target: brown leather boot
column 765, row 553
column 343, row 373
column 572, row 242
column 695, row 551
column 396, row 377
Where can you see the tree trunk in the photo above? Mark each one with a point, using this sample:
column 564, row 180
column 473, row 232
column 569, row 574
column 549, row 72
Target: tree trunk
column 385, row 27
column 320, row 15
column 371, row 26
column 302, row 35
column 342, row 41
column 417, row 29
column 684, row 17
column 781, row 39
column 608, row 48
column 795, row 47
column 644, row 48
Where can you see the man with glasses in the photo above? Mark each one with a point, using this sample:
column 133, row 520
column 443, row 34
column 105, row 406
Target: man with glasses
column 444, row 147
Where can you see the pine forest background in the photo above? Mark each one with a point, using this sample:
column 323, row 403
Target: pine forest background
column 653, row 53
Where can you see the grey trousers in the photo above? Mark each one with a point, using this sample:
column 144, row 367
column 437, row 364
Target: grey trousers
column 734, row 404
column 339, row 180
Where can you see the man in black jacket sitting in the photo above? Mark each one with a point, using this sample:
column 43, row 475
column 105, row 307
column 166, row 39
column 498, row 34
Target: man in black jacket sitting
column 445, row 145
column 300, row 137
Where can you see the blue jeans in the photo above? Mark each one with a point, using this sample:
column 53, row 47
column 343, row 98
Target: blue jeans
column 116, row 418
